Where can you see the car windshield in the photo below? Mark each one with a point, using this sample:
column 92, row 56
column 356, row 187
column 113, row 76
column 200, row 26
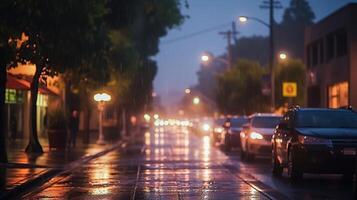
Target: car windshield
column 238, row 122
column 265, row 121
column 327, row 119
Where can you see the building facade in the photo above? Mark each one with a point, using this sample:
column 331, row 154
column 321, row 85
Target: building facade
column 331, row 59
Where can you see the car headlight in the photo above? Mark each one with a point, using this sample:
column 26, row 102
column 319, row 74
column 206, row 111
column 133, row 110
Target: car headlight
column 314, row 140
column 256, row 136
column 206, row 127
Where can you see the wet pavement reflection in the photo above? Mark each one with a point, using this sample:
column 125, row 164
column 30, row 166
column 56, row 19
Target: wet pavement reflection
column 173, row 163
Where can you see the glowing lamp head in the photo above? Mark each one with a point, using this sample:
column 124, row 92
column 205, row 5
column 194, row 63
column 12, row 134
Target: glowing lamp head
column 205, row 58
column 187, row 91
column 283, row 56
column 100, row 97
column 243, row 19
column 196, row 100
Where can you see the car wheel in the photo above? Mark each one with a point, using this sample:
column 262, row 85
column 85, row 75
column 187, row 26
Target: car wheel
column 294, row 171
column 277, row 168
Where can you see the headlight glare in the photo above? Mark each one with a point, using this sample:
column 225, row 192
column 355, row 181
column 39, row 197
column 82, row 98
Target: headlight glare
column 256, row 136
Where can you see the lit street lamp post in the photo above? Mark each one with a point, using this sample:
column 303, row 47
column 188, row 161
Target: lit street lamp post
column 270, row 26
column 207, row 58
column 101, row 98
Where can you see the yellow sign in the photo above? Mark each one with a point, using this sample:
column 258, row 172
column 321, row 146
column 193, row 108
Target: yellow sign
column 289, row 89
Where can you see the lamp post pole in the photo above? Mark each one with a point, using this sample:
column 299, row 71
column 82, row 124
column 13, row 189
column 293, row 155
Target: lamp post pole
column 271, row 55
column 101, row 136
column 101, row 98
column 270, row 26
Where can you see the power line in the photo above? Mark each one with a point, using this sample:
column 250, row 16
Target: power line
column 195, row 33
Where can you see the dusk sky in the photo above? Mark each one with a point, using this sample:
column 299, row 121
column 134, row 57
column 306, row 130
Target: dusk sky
column 179, row 61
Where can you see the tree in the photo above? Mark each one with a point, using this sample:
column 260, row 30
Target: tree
column 239, row 89
column 9, row 32
column 291, row 71
column 60, row 36
column 136, row 27
column 246, row 48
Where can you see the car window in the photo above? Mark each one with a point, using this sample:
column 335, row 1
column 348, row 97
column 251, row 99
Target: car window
column 265, row 121
column 327, row 119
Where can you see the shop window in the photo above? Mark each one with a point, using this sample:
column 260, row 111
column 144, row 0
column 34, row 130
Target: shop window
column 42, row 100
column 338, row 95
column 13, row 96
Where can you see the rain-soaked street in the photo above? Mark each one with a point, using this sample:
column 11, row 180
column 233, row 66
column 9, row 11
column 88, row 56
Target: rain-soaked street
column 174, row 163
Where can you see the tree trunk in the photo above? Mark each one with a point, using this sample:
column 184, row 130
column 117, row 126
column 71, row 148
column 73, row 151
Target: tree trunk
column 3, row 73
column 34, row 145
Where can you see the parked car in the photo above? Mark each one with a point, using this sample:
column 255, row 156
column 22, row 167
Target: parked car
column 230, row 135
column 256, row 135
column 217, row 129
column 317, row 140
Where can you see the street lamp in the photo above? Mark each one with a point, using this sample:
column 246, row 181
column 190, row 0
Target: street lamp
column 196, row 100
column 187, row 91
column 101, row 98
column 207, row 58
column 270, row 26
column 283, row 56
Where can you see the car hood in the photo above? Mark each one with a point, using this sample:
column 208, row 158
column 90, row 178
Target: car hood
column 331, row 133
column 264, row 131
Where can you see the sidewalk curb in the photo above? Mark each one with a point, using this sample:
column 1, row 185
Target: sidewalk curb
column 46, row 175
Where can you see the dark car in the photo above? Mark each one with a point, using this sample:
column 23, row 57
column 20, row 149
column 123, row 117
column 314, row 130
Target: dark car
column 231, row 133
column 256, row 135
column 317, row 140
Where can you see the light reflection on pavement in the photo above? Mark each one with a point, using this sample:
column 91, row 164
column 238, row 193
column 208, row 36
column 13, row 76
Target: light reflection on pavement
column 176, row 164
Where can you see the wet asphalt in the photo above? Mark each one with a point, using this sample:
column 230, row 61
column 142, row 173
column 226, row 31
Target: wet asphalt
column 174, row 163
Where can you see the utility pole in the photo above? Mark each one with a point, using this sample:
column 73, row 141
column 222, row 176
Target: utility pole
column 271, row 5
column 229, row 34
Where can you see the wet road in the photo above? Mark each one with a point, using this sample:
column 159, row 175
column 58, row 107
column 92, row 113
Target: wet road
column 173, row 163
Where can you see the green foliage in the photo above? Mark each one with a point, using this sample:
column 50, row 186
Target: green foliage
column 290, row 71
column 56, row 120
column 239, row 89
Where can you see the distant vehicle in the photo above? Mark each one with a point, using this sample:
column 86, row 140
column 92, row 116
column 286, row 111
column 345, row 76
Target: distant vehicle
column 230, row 135
column 205, row 126
column 315, row 141
column 256, row 135
column 217, row 129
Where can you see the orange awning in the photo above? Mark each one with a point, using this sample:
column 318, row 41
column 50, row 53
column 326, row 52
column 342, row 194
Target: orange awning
column 17, row 84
